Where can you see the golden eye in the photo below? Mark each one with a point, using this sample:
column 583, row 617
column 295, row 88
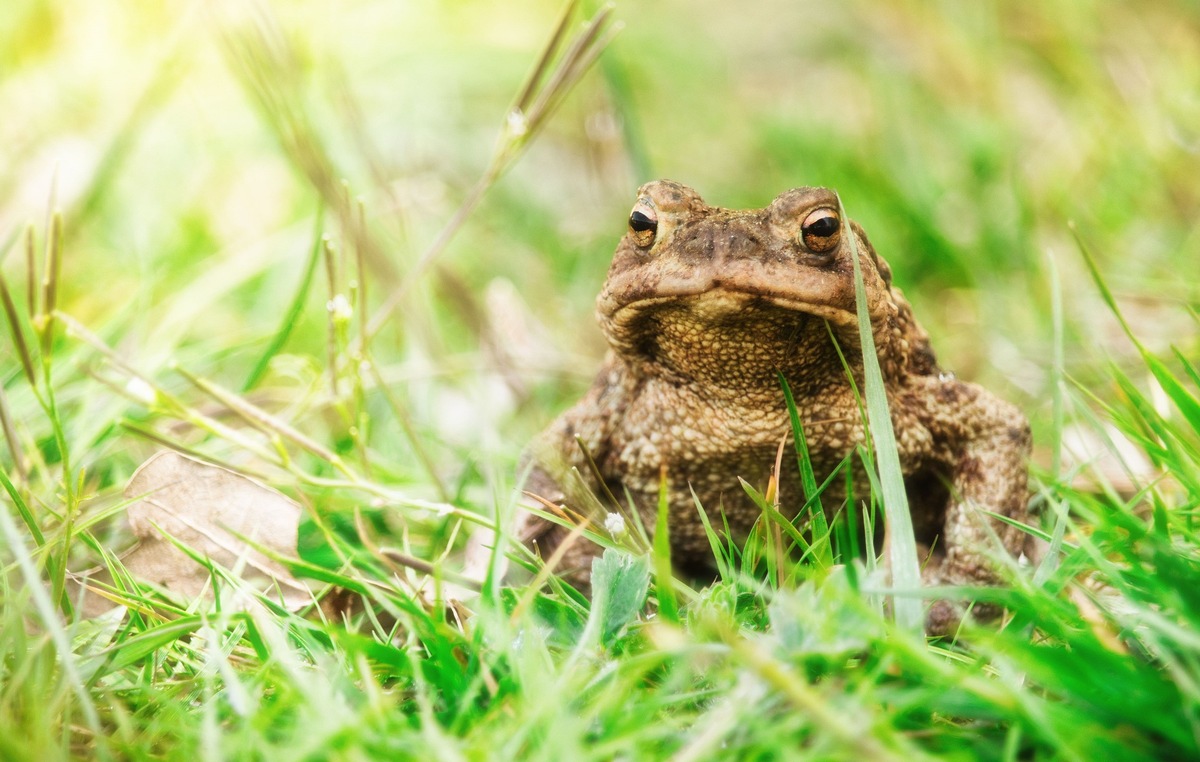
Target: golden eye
column 821, row 231
column 643, row 224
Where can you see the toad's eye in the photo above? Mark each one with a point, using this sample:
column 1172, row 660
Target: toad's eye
column 821, row 231
column 643, row 225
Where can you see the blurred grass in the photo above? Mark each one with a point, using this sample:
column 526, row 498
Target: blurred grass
column 190, row 148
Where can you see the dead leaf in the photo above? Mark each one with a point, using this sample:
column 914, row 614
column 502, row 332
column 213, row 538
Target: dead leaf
column 209, row 509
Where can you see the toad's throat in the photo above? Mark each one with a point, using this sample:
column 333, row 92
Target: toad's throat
column 728, row 340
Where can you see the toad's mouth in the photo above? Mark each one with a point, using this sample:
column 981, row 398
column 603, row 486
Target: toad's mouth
column 725, row 305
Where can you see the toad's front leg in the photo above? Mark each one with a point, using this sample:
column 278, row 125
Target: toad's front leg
column 982, row 449
column 559, row 473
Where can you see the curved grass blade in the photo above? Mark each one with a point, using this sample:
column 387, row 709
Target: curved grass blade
column 808, row 479
column 1187, row 402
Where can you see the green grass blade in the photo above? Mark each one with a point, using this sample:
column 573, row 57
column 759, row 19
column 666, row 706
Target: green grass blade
column 294, row 310
column 23, row 509
column 773, row 516
column 721, row 555
column 44, row 604
column 1187, row 403
column 902, row 545
column 808, row 479
column 668, row 605
column 1188, row 366
column 146, row 643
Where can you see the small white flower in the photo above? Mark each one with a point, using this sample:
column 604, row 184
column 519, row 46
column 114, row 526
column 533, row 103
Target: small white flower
column 141, row 391
column 615, row 524
column 339, row 307
column 517, row 123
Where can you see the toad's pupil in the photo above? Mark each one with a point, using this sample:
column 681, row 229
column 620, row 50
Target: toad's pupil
column 823, row 227
column 640, row 223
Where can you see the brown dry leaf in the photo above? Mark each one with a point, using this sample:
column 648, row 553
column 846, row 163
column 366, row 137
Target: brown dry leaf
column 209, row 509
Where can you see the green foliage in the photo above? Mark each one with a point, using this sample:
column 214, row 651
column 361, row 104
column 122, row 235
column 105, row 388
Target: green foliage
column 390, row 372
column 808, row 479
column 619, row 585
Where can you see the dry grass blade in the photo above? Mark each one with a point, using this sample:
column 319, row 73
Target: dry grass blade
column 263, row 58
column 543, row 63
column 170, row 444
column 162, row 400
column 18, row 335
column 577, row 60
column 377, row 162
column 395, row 558
column 417, row 442
column 263, row 420
column 44, row 322
column 31, row 269
column 359, row 284
column 10, row 438
column 547, row 571
column 425, row 567
column 520, row 126
column 331, row 343
column 260, row 420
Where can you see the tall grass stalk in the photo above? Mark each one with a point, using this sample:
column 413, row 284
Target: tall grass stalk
column 902, row 545
column 552, row 77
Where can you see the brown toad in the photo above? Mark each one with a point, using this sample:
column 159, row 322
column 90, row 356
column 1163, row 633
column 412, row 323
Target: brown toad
column 702, row 308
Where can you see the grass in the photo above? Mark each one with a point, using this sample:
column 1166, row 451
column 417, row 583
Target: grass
column 274, row 251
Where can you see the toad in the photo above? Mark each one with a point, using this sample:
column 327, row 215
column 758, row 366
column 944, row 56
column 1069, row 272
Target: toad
column 703, row 309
